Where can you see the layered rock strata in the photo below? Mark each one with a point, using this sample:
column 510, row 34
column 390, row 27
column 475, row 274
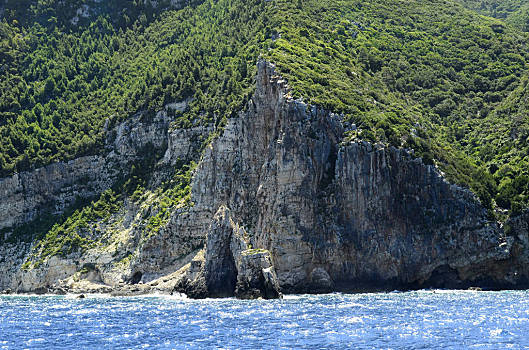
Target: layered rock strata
column 55, row 188
column 52, row 189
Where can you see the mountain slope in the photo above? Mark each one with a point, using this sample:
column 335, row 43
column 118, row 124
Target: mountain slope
column 131, row 111
column 61, row 87
column 387, row 68
column 79, row 13
column 382, row 64
column 515, row 12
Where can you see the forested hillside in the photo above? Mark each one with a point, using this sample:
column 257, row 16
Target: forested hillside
column 432, row 76
column 515, row 12
column 69, row 14
column 61, row 84
column 413, row 75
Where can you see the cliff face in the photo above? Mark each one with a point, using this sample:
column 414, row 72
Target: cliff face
column 281, row 200
column 343, row 215
column 52, row 189
column 123, row 243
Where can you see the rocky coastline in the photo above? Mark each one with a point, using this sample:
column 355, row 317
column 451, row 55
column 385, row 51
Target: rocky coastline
column 283, row 202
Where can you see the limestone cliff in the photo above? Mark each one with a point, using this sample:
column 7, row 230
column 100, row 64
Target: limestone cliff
column 345, row 215
column 281, row 200
column 122, row 241
column 231, row 267
column 52, row 189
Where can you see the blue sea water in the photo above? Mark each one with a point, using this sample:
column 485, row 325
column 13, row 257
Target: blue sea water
column 411, row 320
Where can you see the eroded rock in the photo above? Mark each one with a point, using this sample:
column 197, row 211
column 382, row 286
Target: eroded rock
column 220, row 270
column 320, row 280
column 256, row 276
column 230, row 268
column 370, row 216
column 329, row 213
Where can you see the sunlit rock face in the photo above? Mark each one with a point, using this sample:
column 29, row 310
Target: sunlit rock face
column 339, row 215
column 305, row 210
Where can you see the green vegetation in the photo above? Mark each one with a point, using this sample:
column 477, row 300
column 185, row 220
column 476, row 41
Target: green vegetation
column 93, row 225
column 78, row 232
column 501, row 141
column 432, row 76
column 515, row 12
column 423, row 75
column 73, row 13
column 173, row 194
column 60, row 86
column 255, row 251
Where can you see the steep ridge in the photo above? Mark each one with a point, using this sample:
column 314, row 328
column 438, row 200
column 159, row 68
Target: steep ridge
column 421, row 75
column 332, row 212
column 341, row 180
column 339, row 214
column 384, row 65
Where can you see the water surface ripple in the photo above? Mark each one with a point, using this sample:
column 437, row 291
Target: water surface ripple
column 412, row 320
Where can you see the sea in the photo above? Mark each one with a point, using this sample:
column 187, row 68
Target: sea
column 432, row 319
